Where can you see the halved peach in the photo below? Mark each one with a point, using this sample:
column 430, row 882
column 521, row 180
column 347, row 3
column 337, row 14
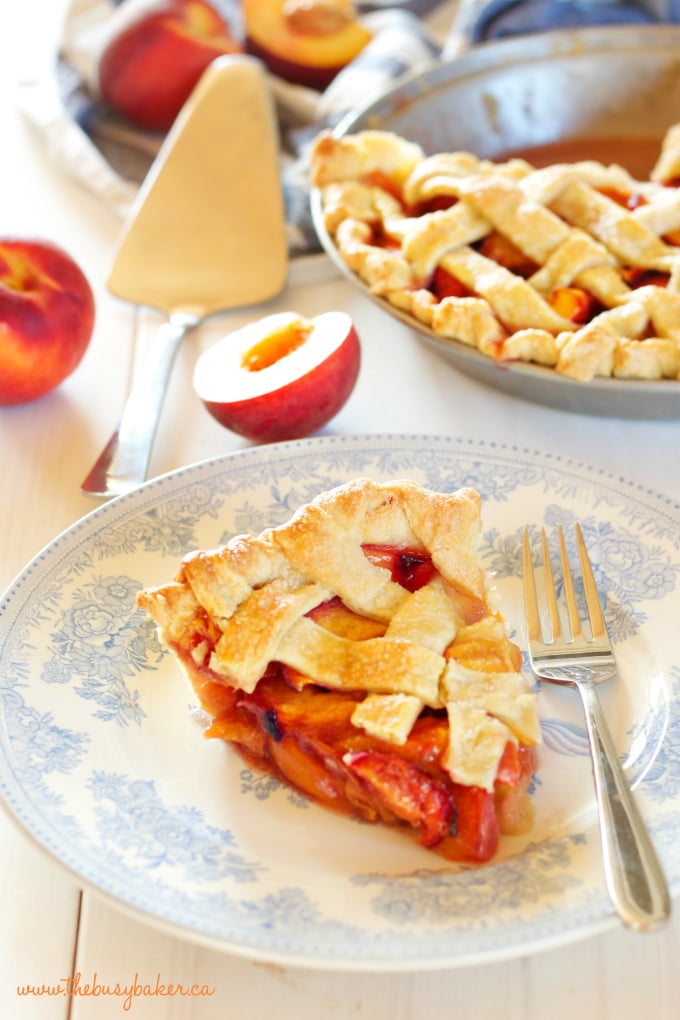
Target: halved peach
column 280, row 377
column 306, row 42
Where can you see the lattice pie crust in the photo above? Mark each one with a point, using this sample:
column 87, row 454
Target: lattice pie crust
column 238, row 615
column 573, row 266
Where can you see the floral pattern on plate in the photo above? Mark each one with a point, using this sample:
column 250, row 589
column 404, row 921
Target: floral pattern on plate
column 102, row 757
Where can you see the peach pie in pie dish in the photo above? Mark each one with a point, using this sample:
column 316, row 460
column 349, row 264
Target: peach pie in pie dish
column 574, row 266
column 355, row 653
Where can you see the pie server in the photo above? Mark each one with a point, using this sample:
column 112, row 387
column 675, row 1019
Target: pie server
column 206, row 233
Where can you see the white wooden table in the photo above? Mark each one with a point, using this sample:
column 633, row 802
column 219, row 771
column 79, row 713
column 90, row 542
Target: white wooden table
column 50, row 928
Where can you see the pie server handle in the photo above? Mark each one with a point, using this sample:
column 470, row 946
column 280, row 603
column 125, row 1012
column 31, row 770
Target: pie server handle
column 124, row 461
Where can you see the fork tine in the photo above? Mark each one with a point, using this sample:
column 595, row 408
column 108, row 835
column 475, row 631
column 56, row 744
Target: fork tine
column 550, row 593
column 530, row 597
column 598, row 625
column 569, row 593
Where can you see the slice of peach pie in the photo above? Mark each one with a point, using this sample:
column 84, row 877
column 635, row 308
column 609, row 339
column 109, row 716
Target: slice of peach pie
column 354, row 653
column 575, row 266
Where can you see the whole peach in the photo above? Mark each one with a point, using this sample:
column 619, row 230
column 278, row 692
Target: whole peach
column 47, row 315
column 149, row 68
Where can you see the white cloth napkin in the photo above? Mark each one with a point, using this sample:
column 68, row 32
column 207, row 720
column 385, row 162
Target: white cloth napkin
column 110, row 157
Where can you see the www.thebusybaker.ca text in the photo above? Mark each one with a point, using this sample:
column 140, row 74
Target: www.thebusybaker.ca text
column 74, row 986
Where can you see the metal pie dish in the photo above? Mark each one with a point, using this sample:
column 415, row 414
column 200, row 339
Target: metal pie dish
column 603, row 83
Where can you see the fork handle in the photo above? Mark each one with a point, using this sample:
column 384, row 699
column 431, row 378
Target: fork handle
column 634, row 877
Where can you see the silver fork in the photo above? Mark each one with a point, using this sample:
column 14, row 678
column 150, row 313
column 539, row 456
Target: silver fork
column 634, row 877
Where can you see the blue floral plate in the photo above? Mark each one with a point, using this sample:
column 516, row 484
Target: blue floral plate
column 103, row 763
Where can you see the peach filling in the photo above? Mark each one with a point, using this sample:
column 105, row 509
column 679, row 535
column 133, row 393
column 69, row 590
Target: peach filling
column 303, row 733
